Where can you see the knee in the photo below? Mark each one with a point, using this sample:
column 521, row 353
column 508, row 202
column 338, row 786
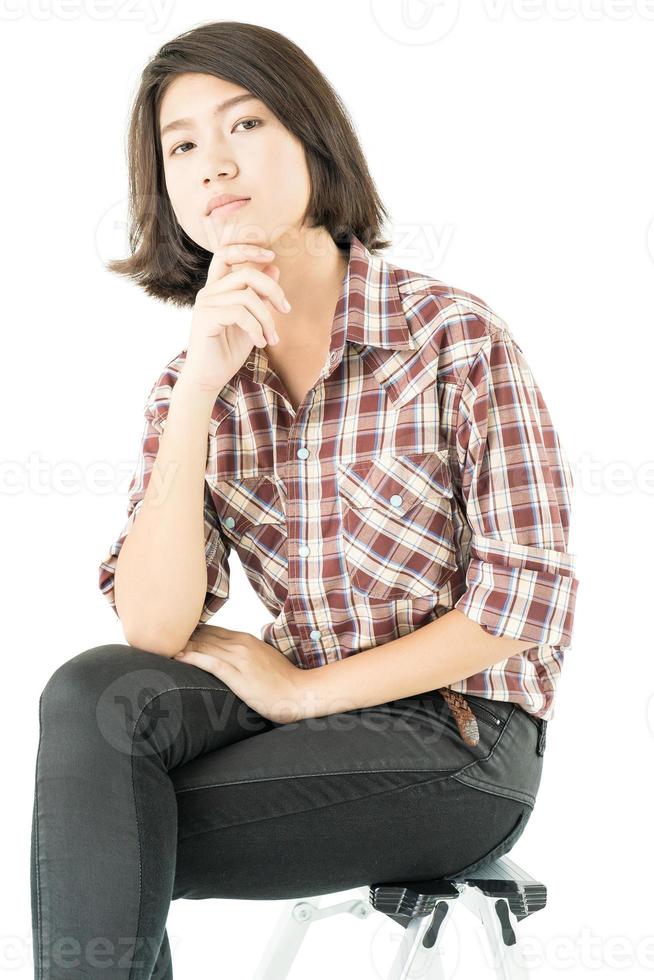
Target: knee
column 97, row 698
column 90, row 671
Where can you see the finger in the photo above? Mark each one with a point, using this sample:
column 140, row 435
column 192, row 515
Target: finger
column 213, row 665
column 257, row 280
column 252, row 324
column 246, row 298
column 197, row 658
column 223, row 636
column 226, row 255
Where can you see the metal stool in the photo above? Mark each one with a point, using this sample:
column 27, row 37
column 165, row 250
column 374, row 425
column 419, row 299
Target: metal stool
column 499, row 893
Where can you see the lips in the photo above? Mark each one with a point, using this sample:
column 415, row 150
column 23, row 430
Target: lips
column 223, row 200
column 225, row 209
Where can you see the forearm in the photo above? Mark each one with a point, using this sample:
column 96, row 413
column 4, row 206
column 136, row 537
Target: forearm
column 161, row 574
column 443, row 652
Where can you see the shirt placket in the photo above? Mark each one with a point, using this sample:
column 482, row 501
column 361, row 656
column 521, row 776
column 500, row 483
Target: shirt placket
column 303, row 470
column 305, row 528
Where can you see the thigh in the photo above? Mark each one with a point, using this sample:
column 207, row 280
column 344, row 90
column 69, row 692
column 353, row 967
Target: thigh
column 119, row 697
column 330, row 803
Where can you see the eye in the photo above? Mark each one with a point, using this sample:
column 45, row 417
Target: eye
column 178, row 146
column 248, row 120
column 187, row 143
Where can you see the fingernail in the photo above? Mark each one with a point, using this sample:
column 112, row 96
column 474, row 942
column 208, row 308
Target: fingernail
column 286, row 305
column 276, row 337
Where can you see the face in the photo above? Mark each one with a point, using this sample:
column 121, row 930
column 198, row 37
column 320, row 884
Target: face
column 242, row 149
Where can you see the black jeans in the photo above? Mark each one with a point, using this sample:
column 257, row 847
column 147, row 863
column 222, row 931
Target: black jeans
column 154, row 781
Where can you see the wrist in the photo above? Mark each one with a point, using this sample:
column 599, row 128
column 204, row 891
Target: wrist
column 309, row 693
column 188, row 386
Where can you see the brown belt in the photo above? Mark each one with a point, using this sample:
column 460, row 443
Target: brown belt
column 463, row 715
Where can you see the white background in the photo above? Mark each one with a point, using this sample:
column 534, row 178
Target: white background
column 512, row 144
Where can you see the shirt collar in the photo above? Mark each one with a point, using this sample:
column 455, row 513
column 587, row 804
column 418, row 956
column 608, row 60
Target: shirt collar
column 369, row 313
column 371, row 299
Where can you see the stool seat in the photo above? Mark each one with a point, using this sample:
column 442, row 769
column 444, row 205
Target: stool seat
column 499, row 893
column 501, row 878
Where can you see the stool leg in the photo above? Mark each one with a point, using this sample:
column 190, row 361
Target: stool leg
column 297, row 915
column 501, row 930
column 420, row 954
column 287, row 937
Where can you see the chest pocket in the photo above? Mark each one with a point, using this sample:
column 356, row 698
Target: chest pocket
column 252, row 513
column 397, row 525
column 248, row 506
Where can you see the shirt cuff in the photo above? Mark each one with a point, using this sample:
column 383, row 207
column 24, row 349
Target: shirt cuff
column 217, row 572
column 215, row 557
column 107, row 569
column 521, row 592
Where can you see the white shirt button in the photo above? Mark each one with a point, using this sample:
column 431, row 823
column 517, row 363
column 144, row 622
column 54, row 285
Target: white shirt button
column 229, row 522
column 302, row 453
column 304, row 550
column 315, row 634
column 396, row 500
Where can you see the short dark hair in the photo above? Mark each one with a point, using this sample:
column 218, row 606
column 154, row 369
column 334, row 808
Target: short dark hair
column 164, row 260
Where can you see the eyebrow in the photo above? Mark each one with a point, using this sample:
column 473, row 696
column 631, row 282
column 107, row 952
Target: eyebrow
column 219, row 108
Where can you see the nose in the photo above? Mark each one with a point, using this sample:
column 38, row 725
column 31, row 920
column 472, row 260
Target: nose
column 217, row 162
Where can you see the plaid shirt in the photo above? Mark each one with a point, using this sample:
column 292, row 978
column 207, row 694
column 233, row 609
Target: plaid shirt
column 422, row 473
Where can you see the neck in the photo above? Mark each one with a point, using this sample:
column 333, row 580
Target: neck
column 311, row 269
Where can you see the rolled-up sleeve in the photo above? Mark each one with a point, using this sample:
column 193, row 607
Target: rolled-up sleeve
column 217, row 548
column 515, row 485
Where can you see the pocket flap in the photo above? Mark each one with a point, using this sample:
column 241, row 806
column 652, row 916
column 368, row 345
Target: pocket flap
column 243, row 503
column 396, row 483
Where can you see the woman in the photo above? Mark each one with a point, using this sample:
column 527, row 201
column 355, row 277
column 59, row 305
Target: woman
column 382, row 460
